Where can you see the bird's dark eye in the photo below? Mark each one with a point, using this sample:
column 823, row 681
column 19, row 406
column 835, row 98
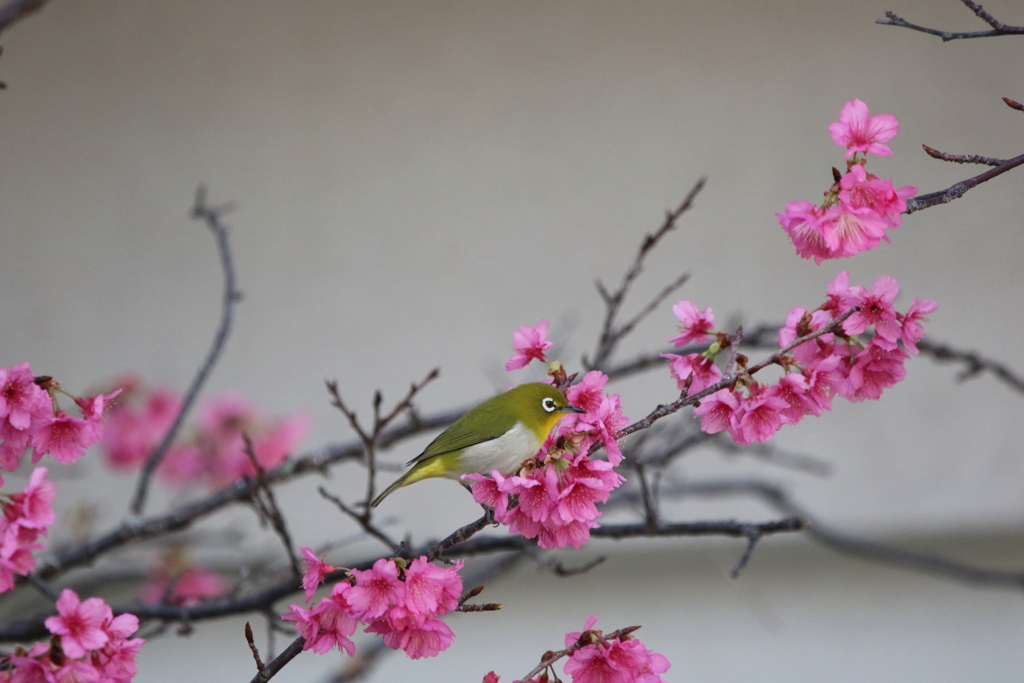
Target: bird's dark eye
column 548, row 404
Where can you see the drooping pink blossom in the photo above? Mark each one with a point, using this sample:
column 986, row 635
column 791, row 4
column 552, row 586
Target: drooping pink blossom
column 861, row 191
column 32, row 507
column 911, row 330
column 696, row 327
column 858, row 131
column 80, row 624
column 424, row 640
column 430, row 589
column 693, row 372
column 875, row 368
column 529, row 343
column 804, row 223
column 848, row 231
column 314, row 573
column 759, row 418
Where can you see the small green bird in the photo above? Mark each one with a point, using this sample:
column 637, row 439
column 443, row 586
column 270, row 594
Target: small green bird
column 499, row 434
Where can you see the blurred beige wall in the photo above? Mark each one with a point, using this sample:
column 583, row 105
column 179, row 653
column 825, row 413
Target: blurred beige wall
column 415, row 180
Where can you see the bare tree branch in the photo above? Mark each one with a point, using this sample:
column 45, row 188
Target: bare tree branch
column 998, row 28
column 201, row 211
column 17, row 10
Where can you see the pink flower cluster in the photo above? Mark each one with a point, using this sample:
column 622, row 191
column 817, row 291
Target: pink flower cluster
column 214, row 453
column 618, row 660
column 831, row 364
column 554, row 498
column 860, row 207
column 597, row 659
column 93, row 645
column 401, row 603
column 29, row 416
column 26, row 516
column 695, row 371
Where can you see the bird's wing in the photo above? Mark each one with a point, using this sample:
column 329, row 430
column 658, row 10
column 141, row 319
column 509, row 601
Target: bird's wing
column 457, row 437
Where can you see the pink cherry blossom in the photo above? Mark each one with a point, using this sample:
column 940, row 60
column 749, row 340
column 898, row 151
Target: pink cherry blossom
column 875, row 309
column 759, row 418
column 804, row 223
column 316, row 568
column 693, row 372
column 848, row 231
column 22, row 401
column 80, row 624
column 192, row 586
column 92, row 411
column 426, row 640
column 696, row 325
column 717, row 410
column 430, row 589
column 859, row 191
column 376, row 589
column 911, row 331
column 613, row 660
column 859, row 132
column 875, row 369
column 65, row 438
column 530, row 343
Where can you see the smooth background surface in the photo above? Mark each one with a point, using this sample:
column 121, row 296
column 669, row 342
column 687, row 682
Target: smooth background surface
column 415, row 180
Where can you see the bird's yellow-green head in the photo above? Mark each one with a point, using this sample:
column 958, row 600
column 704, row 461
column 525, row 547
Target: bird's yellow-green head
column 536, row 405
column 499, row 434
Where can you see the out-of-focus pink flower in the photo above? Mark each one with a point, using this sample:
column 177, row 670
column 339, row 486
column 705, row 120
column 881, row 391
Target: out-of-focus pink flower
column 696, row 327
column 530, row 343
column 92, row 411
column 80, row 623
column 858, row 131
column 32, row 507
column 192, row 586
column 133, row 432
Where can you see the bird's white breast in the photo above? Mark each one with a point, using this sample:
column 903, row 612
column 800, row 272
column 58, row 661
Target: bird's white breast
column 505, row 454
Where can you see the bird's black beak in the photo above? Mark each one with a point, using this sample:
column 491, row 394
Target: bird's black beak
column 572, row 409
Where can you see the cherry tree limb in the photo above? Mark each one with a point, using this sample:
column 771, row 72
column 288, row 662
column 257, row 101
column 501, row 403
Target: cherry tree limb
column 998, row 27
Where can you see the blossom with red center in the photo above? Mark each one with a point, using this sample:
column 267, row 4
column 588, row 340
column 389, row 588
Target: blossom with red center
column 875, row 309
column 430, row 589
column 376, row 589
column 859, row 132
column 693, row 372
column 717, row 410
column 876, row 368
column 530, row 343
column 65, row 438
column 759, row 417
column 696, row 325
column 80, row 624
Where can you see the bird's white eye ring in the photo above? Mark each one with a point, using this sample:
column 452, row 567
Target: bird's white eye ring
column 548, row 404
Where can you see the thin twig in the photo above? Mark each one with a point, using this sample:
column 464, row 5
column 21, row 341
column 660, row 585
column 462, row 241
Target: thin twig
column 360, row 519
column 611, row 334
column 267, row 506
column 998, row 28
column 962, row 158
column 278, row 662
column 261, row 671
column 211, row 216
column 460, row 535
column 925, row 201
